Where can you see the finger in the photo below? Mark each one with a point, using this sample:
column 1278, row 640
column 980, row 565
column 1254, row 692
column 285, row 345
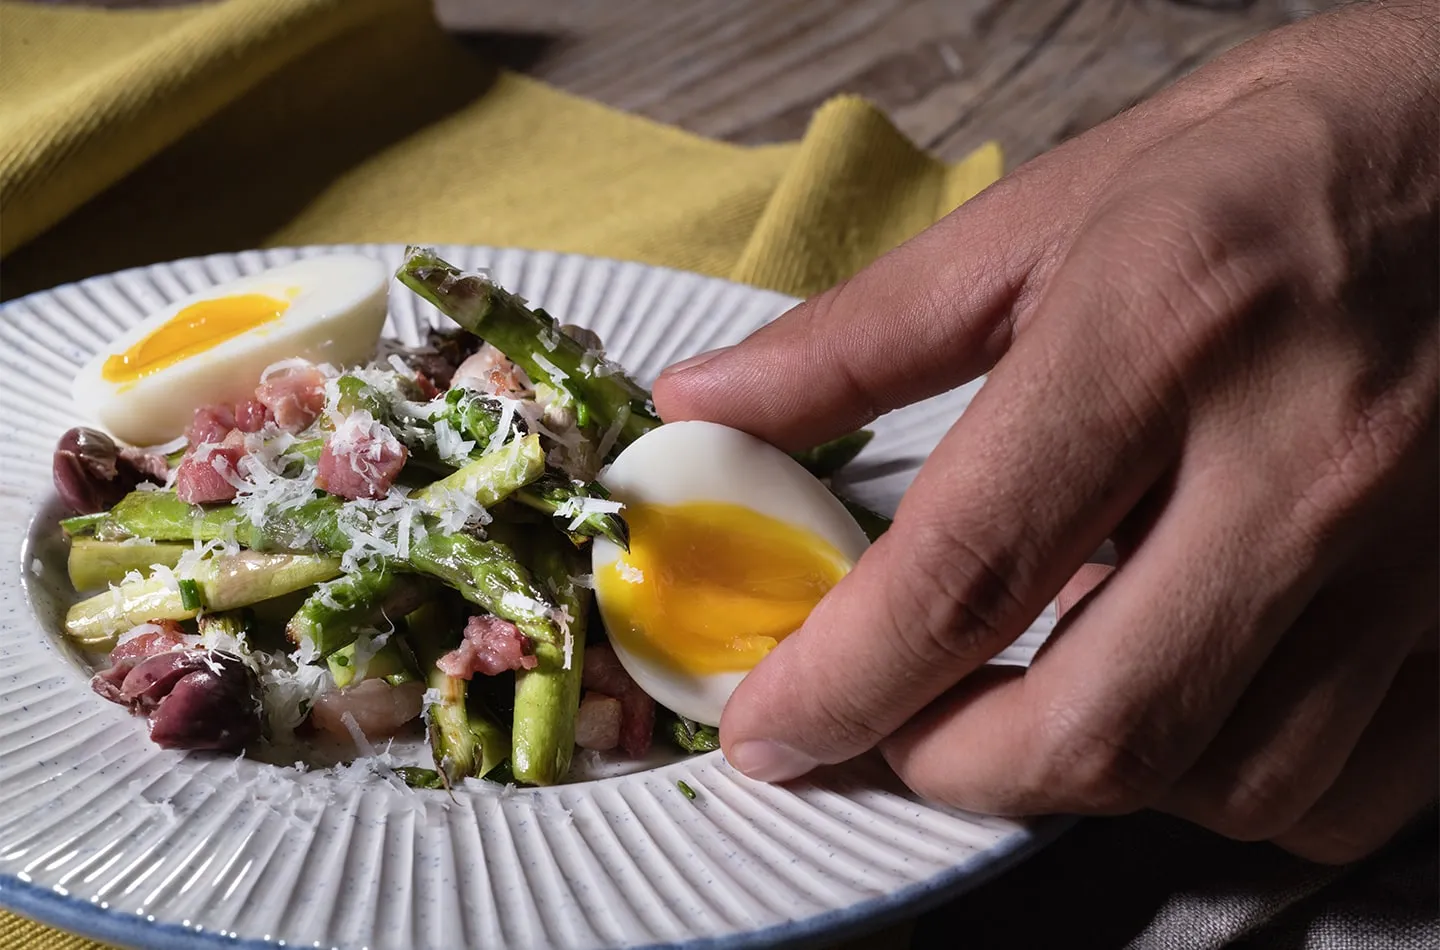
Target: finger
column 1085, row 580
column 1392, row 774
column 1293, row 730
column 990, row 530
column 924, row 318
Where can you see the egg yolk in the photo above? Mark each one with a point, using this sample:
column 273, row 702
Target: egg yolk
column 195, row 329
column 709, row 587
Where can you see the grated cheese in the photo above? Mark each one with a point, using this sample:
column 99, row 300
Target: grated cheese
column 555, row 373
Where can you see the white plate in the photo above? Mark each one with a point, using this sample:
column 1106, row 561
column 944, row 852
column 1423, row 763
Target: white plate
column 105, row 834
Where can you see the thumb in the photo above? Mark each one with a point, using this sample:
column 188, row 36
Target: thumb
column 926, row 317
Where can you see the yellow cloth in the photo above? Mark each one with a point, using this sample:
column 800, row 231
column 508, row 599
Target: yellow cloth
column 129, row 137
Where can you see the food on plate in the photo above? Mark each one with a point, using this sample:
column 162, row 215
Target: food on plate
column 732, row 543
column 348, row 539
column 210, row 348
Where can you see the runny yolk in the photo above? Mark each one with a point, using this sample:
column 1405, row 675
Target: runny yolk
column 709, row 587
column 193, row 330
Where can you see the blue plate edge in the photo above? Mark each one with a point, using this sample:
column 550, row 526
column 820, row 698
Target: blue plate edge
column 90, row 920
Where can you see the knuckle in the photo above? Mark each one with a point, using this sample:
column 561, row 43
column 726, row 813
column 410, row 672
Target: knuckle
column 1334, row 843
column 1092, row 769
column 961, row 601
column 1255, row 808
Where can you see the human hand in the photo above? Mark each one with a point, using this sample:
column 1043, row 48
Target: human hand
column 1211, row 332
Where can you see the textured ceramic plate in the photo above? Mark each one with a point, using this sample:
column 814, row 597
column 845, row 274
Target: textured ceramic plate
column 102, row 833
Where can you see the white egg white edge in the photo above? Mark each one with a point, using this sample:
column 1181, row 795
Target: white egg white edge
column 702, row 461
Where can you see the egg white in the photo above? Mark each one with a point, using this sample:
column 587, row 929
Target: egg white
column 337, row 310
column 703, row 462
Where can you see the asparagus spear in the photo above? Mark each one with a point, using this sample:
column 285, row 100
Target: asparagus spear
column 547, row 698
column 872, row 523
column 101, row 563
column 484, row 572
column 494, row 475
column 693, row 737
column 334, row 615
column 83, row 524
column 534, row 341
column 389, row 663
column 488, row 574
column 162, row 516
column 559, row 497
column 464, row 740
column 827, row 458
column 224, row 582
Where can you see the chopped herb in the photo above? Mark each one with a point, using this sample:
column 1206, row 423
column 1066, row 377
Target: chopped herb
column 686, row 790
column 417, row 777
column 692, row 737
column 341, row 659
column 189, row 594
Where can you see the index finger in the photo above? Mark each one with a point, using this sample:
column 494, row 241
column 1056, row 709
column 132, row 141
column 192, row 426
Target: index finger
column 1023, row 488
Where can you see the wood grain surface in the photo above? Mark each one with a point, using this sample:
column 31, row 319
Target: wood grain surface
column 951, row 73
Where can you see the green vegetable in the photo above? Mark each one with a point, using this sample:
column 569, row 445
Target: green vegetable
column 872, row 523
column 389, row 663
column 224, row 582
column 464, row 739
column 355, row 395
column 553, row 494
column 686, row 790
column 827, row 458
column 534, row 341
column 83, row 524
column 333, row 616
column 234, row 624
column 94, row 564
column 492, row 476
column 488, row 574
column 190, row 594
column 417, row 777
column 548, row 696
column 692, row 737
column 162, row 516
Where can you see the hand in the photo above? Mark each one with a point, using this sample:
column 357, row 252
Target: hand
column 1211, row 332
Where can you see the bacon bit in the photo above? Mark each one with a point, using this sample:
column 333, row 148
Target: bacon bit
column 251, row 415
column 210, row 424
column 491, row 646
column 294, row 395
column 490, row 371
column 361, row 459
column 428, row 390
column 602, row 672
column 597, row 724
column 208, row 476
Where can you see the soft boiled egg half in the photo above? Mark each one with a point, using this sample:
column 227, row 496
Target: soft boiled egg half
column 211, row 347
column 732, row 543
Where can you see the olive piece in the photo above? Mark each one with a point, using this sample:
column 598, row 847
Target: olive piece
column 92, row 473
column 87, row 471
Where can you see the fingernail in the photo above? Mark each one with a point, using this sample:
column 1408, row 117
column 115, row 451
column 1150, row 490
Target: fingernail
column 768, row 761
column 694, row 361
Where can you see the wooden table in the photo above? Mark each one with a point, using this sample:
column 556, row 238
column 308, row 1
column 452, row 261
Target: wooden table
column 952, row 73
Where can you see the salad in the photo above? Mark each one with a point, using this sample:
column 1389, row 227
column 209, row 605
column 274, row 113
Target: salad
column 347, row 548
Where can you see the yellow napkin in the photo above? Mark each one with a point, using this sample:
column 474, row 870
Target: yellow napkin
column 129, row 137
